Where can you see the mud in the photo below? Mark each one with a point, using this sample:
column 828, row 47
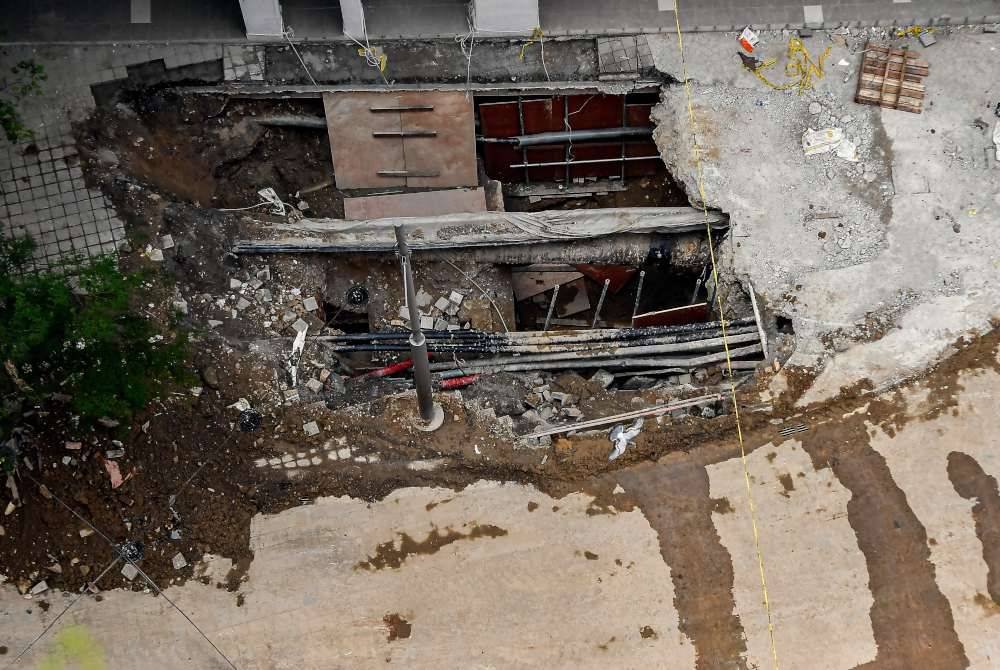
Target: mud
column 398, row 628
column 674, row 497
column 388, row 555
column 911, row 619
column 972, row 483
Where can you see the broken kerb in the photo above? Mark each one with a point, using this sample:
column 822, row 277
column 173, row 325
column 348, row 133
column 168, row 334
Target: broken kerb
column 431, row 415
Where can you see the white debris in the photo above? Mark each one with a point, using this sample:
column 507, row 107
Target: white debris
column 621, row 437
column 179, row 561
column 310, row 304
column 314, row 385
column 300, row 326
column 40, row 587
column 297, row 346
column 235, row 283
column 129, row 571
column 196, row 390
column 441, row 304
column 456, row 297
column 167, row 242
column 821, row 141
column 181, row 306
column 426, row 322
column 154, row 254
column 996, row 138
column 848, row 151
column 240, row 405
column 86, row 532
column 618, row 489
column 213, row 323
column 311, row 428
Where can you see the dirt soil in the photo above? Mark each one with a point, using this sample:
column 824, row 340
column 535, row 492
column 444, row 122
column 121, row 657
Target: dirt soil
column 211, row 151
column 194, row 480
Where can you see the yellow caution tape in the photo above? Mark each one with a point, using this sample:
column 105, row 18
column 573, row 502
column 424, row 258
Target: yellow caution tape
column 536, row 35
column 800, row 69
column 383, row 60
column 794, row 46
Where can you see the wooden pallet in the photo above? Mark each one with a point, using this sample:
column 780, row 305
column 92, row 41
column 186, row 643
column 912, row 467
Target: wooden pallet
column 892, row 78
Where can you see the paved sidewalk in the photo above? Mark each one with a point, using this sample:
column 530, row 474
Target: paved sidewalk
column 43, row 192
column 221, row 20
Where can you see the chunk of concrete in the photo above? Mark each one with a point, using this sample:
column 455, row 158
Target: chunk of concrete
column 314, row 385
column 300, row 326
column 441, row 304
column 311, row 428
column 603, row 377
column 310, row 304
column 179, row 561
column 129, row 571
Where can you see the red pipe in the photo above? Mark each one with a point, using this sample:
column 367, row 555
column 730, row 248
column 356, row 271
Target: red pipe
column 389, row 369
column 457, row 382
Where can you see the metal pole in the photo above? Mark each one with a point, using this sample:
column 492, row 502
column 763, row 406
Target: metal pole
column 418, row 343
column 552, row 306
column 638, row 294
column 600, row 303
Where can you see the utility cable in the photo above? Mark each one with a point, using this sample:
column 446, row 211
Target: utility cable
column 146, row 578
column 82, row 593
column 696, row 151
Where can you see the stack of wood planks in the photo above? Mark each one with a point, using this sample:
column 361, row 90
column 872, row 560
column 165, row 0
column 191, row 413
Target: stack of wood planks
column 892, row 78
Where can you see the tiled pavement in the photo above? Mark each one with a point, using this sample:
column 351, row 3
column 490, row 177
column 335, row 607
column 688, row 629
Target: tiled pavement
column 42, row 188
column 629, row 53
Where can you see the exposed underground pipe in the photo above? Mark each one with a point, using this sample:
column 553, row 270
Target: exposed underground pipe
column 610, row 363
column 315, row 122
column 571, row 136
column 591, row 353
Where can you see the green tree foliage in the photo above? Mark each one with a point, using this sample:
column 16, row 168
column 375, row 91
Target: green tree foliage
column 72, row 331
column 24, row 79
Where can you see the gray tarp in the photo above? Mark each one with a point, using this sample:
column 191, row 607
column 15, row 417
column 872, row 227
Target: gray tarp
column 478, row 229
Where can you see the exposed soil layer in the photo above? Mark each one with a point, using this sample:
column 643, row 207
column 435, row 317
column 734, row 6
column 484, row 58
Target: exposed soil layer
column 910, row 616
column 213, row 151
column 972, row 483
column 675, row 499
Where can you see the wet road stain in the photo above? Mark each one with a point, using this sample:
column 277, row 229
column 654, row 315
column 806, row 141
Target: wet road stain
column 972, row 483
column 911, row 619
column 532, row 506
column 398, row 628
column 988, row 604
column 787, row 484
column 590, row 556
column 388, row 555
column 675, row 500
column 648, row 633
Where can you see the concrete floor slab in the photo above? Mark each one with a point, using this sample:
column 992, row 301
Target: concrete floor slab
column 927, row 475
column 802, row 524
column 541, row 587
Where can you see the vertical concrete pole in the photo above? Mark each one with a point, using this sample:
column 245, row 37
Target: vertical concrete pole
column 431, row 414
column 262, row 18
